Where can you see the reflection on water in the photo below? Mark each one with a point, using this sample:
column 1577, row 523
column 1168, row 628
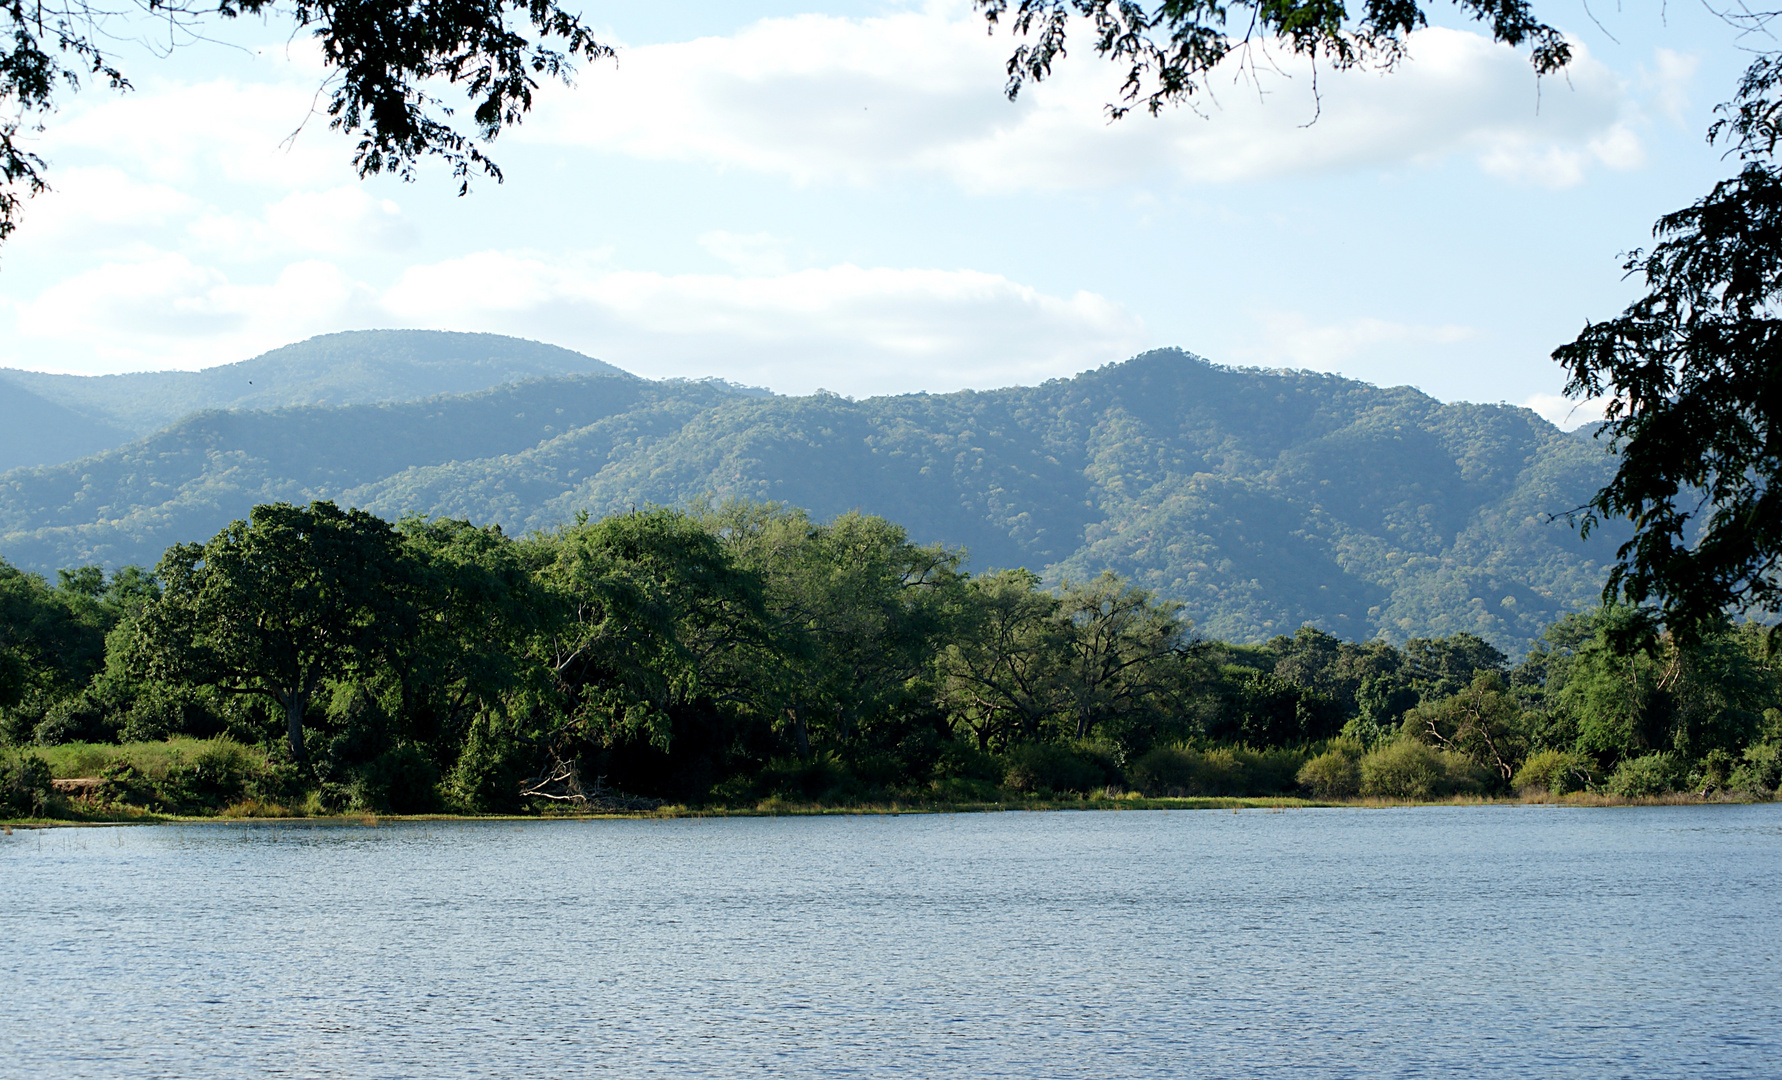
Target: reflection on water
column 1495, row 941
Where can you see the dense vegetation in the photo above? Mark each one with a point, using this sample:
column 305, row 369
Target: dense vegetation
column 1261, row 500
column 313, row 659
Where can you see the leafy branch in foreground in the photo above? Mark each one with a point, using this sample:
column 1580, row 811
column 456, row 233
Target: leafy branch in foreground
column 1692, row 374
column 1169, row 48
column 381, row 56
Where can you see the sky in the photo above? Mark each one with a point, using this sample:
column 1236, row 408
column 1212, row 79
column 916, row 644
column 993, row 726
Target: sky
column 837, row 195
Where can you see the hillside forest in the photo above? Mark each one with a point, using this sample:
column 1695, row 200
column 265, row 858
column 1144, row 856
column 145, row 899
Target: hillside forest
column 1261, row 500
column 310, row 659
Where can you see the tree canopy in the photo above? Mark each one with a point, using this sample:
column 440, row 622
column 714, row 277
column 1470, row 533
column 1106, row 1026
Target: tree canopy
column 1692, row 376
column 747, row 654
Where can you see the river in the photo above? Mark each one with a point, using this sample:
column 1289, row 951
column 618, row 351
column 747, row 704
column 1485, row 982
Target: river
column 1429, row 942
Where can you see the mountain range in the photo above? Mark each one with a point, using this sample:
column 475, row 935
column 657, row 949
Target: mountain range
column 46, row 419
column 1261, row 499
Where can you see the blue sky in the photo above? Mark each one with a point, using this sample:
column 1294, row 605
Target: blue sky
column 836, row 195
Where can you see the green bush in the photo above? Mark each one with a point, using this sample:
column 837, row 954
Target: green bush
column 964, row 789
column 489, row 772
column 963, row 761
column 1760, row 772
column 24, row 785
column 816, row 778
column 1057, row 767
column 1646, row 776
column 1408, row 769
column 400, row 781
column 1183, row 771
column 1556, row 772
column 1713, row 771
column 213, row 777
column 1334, row 774
column 121, row 783
column 74, row 719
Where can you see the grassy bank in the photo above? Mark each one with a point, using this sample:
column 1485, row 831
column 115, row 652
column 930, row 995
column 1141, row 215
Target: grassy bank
column 185, row 779
column 76, row 813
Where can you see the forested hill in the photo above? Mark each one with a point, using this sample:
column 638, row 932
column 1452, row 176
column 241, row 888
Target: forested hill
column 47, row 419
column 1262, row 499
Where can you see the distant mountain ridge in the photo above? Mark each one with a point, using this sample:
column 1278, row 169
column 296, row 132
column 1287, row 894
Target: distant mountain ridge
column 49, row 419
column 1261, row 499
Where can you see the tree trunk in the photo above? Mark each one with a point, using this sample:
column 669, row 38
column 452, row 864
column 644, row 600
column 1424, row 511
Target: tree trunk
column 801, row 732
column 294, row 704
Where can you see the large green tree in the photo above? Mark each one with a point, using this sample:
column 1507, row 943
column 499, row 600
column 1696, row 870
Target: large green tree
column 276, row 605
column 855, row 609
column 643, row 615
column 1001, row 676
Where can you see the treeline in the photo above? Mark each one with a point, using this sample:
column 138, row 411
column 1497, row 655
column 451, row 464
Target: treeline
column 743, row 653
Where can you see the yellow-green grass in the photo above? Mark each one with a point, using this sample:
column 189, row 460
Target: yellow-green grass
column 152, row 759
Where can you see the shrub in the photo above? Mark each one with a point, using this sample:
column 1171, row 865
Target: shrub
column 121, row 783
column 961, row 760
column 400, row 781
column 215, row 776
column 1404, row 769
column 1229, row 770
column 1050, row 767
column 24, row 785
column 1556, row 772
column 489, row 772
column 1334, row 774
column 1713, row 771
column 1646, row 776
column 1760, row 773
column 1165, row 770
column 74, row 719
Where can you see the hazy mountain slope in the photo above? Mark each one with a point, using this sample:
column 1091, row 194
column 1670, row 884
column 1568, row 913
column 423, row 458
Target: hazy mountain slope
column 1260, row 499
column 186, row 482
column 356, row 367
column 36, row 431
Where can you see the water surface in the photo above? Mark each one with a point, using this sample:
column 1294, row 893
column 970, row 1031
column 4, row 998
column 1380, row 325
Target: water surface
column 1448, row 941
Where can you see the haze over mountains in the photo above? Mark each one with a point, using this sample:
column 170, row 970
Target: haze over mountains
column 47, row 419
column 1261, row 499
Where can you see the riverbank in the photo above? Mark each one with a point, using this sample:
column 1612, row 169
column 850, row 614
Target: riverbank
column 78, row 817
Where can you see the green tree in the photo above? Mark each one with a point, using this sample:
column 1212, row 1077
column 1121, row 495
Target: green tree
column 857, row 614
column 1692, row 376
column 1483, row 723
column 1440, row 667
column 52, row 640
column 645, row 615
column 386, row 62
column 1001, row 673
column 278, row 604
column 477, row 607
column 1122, row 653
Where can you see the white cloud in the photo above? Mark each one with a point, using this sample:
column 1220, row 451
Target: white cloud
column 1669, row 79
column 821, row 98
column 168, row 312
column 1567, row 413
column 1289, row 339
column 188, row 133
column 339, row 221
column 850, row 329
column 749, row 253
